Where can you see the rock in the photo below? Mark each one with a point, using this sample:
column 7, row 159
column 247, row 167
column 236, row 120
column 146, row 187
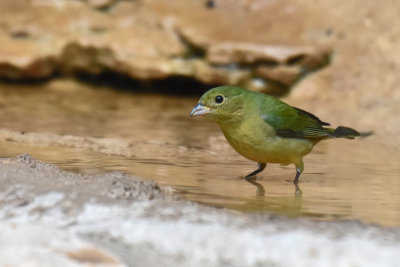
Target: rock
column 86, row 59
column 250, row 53
column 35, row 245
column 276, row 67
column 137, row 39
column 283, row 74
column 101, row 4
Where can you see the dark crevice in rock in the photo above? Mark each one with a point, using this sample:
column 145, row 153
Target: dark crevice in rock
column 196, row 70
column 20, row 35
column 295, row 60
column 246, row 66
column 175, row 85
column 210, row 4
column 102, row 6
column 19, row 80
column 192, row 50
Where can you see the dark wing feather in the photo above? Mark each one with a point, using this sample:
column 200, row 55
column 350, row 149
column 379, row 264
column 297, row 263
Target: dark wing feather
column 291, row 122
column 312, row 116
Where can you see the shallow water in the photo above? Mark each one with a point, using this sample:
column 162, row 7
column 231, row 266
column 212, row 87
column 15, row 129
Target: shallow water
column 343, row 179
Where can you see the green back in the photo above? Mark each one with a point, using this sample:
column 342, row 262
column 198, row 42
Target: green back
column 288, row 121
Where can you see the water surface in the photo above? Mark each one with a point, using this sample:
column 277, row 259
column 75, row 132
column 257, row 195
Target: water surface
column 343, row 179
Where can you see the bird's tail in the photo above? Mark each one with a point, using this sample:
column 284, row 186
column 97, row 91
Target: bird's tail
column 344, row 132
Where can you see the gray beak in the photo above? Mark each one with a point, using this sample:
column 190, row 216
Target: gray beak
column 200, row 110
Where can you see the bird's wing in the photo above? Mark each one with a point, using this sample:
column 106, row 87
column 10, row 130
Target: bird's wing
column 312, row 116
column 291, row 122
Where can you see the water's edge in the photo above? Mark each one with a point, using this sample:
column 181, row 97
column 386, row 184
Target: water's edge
column 116, row 219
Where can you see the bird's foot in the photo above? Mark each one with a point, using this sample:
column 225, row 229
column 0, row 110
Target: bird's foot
column 298, row 192
column 251, row 178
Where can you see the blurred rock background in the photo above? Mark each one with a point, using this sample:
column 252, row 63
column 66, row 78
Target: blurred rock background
column 339, row 60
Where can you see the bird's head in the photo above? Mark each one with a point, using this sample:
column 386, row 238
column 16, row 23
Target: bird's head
column 221, row 104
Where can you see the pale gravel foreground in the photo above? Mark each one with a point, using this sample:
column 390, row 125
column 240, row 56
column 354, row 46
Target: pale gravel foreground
column 49, row 217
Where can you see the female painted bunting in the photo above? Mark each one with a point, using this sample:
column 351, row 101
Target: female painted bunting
column 264, row 129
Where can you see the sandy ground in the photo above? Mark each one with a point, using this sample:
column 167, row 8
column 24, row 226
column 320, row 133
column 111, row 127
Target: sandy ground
column 49, row 217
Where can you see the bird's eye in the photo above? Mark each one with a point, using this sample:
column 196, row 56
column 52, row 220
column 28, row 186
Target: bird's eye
column 219, row 99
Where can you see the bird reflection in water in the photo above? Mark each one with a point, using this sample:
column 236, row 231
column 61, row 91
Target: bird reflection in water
column 260, row 191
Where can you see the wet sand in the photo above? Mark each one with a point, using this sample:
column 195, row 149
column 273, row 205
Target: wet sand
column 49, row 217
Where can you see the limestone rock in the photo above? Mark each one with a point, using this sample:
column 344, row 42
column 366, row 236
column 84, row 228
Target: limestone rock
column 101, row 4
column 141, row 40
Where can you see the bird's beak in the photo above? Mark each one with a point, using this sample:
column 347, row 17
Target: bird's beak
column 200, row 110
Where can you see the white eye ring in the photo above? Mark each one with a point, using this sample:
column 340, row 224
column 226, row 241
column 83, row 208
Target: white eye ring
column 219, row 99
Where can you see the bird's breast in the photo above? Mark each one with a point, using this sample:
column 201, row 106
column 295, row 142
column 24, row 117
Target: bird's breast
column 256, row 140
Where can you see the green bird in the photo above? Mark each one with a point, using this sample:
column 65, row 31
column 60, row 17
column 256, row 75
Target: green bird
column 264, row 129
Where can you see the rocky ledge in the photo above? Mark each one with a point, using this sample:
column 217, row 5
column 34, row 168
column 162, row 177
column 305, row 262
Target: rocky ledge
column 147, row 40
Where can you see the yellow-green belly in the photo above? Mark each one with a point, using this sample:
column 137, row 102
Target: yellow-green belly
column 257, row 141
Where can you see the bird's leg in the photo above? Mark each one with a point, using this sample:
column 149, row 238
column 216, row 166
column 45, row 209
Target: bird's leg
column 296, row 179
column 261, row 167
column 299, row 170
